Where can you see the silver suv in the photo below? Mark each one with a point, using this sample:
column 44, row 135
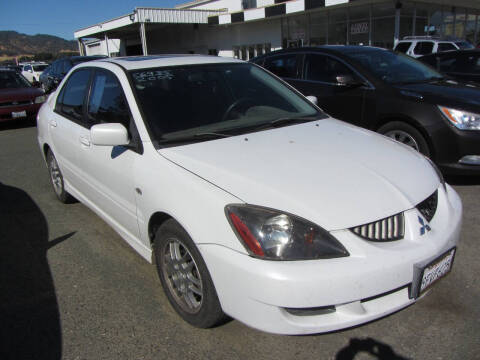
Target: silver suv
column 417, row 46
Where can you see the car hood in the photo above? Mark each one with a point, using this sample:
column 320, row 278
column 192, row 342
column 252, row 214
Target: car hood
column 19, row 94
column 334, row 174
column 451, row 93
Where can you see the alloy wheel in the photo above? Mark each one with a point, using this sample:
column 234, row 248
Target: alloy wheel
column 404, row 138
column 182, row 276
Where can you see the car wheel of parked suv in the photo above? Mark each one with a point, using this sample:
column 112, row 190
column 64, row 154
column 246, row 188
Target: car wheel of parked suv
column 56, row 178
column 185, row 277
column 406, row 134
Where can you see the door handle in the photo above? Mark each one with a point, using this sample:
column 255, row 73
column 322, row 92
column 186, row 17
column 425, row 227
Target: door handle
column 53, row 123
column 84, row 141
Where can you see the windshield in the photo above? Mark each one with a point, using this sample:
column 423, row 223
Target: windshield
column 464, row 45
column 214, row 99
column 38, row 68
column 394, row 68
column 12, row 80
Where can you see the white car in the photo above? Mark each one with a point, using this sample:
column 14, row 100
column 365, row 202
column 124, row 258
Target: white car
column 250, row 201
column 417, row 46
column 32, row 71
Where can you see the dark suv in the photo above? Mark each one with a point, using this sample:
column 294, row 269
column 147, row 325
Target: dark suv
column 57, row 70
column 391, row 93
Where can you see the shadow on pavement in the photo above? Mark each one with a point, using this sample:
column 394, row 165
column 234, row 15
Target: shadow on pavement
column 20, row 124
column 29, row 317
column 372, row 347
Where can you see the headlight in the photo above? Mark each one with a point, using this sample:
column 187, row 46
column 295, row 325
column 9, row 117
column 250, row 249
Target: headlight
column 463, row 120
column 40, row 99
column 274, row 235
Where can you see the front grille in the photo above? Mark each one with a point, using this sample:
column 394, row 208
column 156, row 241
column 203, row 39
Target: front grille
column 428, row 207
column 388, row 229
column 16, row 103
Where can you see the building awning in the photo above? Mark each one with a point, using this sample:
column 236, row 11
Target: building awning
column 147, row 15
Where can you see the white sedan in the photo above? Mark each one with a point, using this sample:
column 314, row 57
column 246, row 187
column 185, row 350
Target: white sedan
column 250, row 200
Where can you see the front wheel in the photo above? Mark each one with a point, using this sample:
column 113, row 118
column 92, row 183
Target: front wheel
column 407, row 135
column 185, row 277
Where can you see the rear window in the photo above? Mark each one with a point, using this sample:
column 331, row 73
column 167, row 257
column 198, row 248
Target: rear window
column 283, row 65
column 12, row 80
column 423, row 48
column 446, row 47
column 464, row 45
column 403, row 47
column 39, row 67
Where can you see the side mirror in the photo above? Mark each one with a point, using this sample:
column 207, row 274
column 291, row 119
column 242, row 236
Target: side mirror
column 36, row 84
column 312, row 99
column 113, row 134
column 347, row 80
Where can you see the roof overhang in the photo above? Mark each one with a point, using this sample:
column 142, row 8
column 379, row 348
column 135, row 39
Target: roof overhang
column 147, row 15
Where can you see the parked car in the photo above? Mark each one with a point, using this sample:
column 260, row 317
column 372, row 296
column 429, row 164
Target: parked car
column 252, row 202
column 417, row 46
column 53, row 74
column 32, row 71
column 392, row 94
column 19, row 100
column 462, row 64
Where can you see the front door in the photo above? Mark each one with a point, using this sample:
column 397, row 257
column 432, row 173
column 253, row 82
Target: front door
column 108, row 170
column 339, row 101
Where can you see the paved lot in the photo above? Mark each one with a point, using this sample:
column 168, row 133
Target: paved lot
column 71, row 288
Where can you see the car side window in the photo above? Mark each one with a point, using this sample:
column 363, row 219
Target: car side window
column 282, row 65
column 71, row 98
column 107, row 103
column 446, row 47
column 27, row 68
column 423, row 48
column 403, row 47
column 325, row 69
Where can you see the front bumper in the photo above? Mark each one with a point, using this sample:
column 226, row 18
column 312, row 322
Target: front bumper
column 453, row 147
column 333, row 294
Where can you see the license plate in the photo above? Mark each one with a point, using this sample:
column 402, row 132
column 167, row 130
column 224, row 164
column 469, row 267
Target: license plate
column 19, row 114
column 437, row 269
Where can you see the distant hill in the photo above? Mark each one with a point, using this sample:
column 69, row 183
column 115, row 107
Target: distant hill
column 13, row 43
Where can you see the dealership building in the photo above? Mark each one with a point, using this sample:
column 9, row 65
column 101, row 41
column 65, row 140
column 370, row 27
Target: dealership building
column 247, row 28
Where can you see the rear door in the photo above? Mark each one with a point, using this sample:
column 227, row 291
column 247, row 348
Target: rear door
column 65, row 125
column 320, row 79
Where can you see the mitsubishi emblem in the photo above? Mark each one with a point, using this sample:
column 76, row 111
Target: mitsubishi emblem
column 424, row 227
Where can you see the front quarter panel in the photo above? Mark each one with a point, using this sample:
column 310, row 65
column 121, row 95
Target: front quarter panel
column 195, row 203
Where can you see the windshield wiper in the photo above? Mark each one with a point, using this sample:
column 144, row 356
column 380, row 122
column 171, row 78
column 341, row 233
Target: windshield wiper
column 193, row 137
column 284, row 121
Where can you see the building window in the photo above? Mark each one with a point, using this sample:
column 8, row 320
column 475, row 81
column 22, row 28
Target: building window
column 249, row 4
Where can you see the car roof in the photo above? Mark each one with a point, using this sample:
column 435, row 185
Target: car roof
column 153, row 61
column 332, row 49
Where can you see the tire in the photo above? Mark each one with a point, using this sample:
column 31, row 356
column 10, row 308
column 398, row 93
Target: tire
column 407, row 135
column 56, row 179
column 185, row 277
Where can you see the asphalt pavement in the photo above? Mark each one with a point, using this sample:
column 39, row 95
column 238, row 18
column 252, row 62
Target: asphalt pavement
column 71, row 288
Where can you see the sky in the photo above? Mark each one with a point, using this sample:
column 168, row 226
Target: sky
column 63, row 17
